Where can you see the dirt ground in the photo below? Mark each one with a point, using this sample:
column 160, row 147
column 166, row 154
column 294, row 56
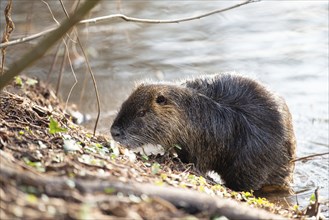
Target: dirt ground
column 52, row 168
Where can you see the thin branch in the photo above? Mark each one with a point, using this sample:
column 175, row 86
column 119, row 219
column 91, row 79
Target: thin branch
column 75, row 6
column 95, row 86
column 66, row 51
column 51, row 12
column 39, row 50
column 90, row 71
column 28, row 38
column 166, row 21
column 309, row 156
column 130, row 19
column 74, row 75
column 60, row 75
column 53, row 16
column 69, row 59
column 10, row 26
column 53, row 63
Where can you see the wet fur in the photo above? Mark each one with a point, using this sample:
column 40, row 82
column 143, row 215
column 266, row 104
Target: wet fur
column 226, row 123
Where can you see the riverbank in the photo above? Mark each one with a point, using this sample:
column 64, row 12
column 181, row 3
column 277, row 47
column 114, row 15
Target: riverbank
column 52, row 168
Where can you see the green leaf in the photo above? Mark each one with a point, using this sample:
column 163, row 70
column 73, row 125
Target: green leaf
column 19, row 81
column 31, row 82
column 37, row 165
column 54, row 127
column 98, row 145
column 191, row 177
column 312, row 198
column 163, row 176
column 31, row 198
column 88, row 135
column 109, row 190
column 247, row 194
column 159, row 183
column 145, row 157
column 155, row 168
column 202, row 180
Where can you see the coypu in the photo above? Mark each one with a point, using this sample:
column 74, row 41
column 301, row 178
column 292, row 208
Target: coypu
column 226, row 123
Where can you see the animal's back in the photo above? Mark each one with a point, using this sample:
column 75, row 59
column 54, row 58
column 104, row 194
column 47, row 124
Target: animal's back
column 230, row 89
column 264, row 137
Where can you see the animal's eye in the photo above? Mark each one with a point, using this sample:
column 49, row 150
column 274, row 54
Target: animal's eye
column 161, row 100
column 141, row 113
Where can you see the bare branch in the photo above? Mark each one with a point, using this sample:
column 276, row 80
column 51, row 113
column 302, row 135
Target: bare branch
column 63, row 63
column 28, row 38
column 53, row 62
column 309, row 157
column 40, row 49
column 89, row 69
column 10, row 26
column 73, row 72
column 95, row 86
column 168, row 21
column 51, row 12
column 66, row 53
column 130, row 19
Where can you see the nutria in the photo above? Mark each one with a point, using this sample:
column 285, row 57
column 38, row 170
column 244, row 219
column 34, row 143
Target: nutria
column 226, row 123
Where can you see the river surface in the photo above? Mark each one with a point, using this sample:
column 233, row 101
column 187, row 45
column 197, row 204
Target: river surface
column 282, row 43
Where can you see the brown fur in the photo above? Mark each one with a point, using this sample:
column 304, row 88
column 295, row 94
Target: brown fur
column 226, row 123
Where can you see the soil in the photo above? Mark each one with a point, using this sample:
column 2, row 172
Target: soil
column 52, row 168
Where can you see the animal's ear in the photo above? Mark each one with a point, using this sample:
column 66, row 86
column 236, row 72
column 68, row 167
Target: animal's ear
column 161, row 100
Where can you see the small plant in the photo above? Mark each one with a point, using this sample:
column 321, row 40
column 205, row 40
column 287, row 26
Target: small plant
column 247, row 195
column 31, row 198
column 19, row 81
column 155, row 168
column 312, row 198
column 163, row 176
column 31, row 82
column 109, row 190
column 54, row 127
column 37, row 165
column 145, row 157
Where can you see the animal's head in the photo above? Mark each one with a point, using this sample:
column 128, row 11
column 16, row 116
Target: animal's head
column 151, row 115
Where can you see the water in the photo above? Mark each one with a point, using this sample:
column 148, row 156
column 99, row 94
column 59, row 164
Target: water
column 284, row 44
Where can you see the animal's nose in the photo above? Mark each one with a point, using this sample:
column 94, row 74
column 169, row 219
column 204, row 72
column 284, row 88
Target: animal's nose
column 116, row 132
